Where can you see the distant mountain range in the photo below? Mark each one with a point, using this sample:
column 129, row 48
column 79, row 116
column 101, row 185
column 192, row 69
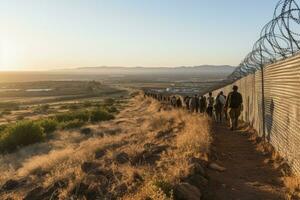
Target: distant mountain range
column 202, row 69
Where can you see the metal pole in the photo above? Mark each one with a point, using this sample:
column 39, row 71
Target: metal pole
column 263, row 96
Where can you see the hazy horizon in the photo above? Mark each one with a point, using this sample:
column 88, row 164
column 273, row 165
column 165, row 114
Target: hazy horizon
column 46, row 35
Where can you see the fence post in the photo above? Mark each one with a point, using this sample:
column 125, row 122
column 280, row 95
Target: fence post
column 263, row 96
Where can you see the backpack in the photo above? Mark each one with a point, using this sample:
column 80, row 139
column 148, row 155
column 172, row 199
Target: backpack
column 235, row 100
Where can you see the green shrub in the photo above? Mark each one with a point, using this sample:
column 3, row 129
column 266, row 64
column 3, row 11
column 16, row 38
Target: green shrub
column 49, row 125
column 42, row 108
column 70, row 116
column 87, row 104
column 9, row 105
column 82, row 116
column 100, row 115
column 21, row 134
column 20, row 117
column 109, row 101
column 3, row 127
column 73, row 107
column 6, row 112
column 72, row 124
column 164, row 186
column 112, row 109
column 86, row 131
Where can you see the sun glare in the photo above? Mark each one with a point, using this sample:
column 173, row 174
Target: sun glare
column 8, row 55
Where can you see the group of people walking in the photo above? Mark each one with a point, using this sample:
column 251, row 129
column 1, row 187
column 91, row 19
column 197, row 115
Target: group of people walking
column 218, row 107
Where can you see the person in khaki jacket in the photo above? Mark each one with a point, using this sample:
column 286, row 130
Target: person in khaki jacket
column 233, row 105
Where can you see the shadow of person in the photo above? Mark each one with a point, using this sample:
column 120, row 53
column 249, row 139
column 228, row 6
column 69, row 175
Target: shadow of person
column 269, row 120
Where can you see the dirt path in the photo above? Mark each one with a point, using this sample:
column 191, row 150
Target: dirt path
column 247, row 176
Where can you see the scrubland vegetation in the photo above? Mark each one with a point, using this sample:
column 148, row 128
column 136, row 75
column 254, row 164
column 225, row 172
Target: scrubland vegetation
column 28, row 132
column 147, row 151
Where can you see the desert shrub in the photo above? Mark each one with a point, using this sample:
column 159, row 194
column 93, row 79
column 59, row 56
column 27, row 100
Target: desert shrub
column 82, row 116
column 72, row 124
column 49, row 125
column 42, row 108
column 63, row 107
column 21, row 134
column 87, row 104
column 6, row 112
column 100, row 115
column 73, row 107
column 109, row 101
column 112, row 109
column 20, row 117
column 9, row 105
column 86, row 131
column 164, row 186
column 70, row 116
column 45, row 107
column 3, row 127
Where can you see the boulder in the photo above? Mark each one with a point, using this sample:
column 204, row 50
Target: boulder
column 186, row 191
column 217, row 167
column 196, row 168
column 198, row 181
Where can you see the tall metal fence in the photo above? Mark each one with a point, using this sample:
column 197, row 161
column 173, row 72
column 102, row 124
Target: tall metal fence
column 272, row 106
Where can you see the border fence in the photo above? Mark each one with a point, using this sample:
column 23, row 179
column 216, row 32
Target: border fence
column 269, row 80
column 272, row 106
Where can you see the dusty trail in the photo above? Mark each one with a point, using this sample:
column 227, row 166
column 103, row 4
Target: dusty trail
column 248, row 176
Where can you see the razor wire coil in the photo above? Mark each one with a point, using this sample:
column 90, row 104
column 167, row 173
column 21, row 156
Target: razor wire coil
column 279, row 39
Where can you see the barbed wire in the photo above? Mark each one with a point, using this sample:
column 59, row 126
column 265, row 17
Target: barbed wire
column 279, row 39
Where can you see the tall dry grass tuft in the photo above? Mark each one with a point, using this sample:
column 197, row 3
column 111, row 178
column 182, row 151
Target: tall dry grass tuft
column 191, row 139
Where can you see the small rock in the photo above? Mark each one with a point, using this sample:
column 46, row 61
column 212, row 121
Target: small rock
column 10, row 185
column 185, row 191
column 217, row 167
column 196, row 168
column 122, row 158
column 198, row 181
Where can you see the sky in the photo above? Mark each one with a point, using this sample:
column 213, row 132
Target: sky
column 55, row 34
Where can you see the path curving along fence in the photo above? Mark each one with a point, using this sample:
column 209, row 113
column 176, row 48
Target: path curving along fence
column 272, row 106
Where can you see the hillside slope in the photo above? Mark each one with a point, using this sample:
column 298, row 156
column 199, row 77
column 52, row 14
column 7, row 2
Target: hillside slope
column 144, row 153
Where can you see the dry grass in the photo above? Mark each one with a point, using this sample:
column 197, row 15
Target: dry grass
column 156, row 145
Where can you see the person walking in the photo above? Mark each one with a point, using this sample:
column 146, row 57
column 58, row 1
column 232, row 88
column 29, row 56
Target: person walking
column 202, row 104
column 234, row 103
column 187, row 102
column 210, row 104
column 192, row 104
column 179, row 102
column 219, row 106
column 173, row 101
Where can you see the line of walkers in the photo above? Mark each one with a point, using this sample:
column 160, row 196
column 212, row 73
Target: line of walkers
column 219, row 107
